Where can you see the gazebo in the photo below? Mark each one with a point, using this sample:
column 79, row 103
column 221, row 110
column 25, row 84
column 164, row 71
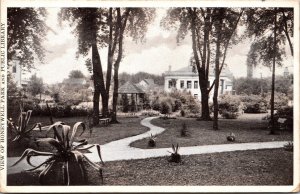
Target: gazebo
column 131, row 89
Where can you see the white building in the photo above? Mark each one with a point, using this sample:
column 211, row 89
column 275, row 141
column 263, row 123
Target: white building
column 186, row 79
column 17, row 75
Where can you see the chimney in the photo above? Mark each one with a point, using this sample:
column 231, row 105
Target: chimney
column 170, row 67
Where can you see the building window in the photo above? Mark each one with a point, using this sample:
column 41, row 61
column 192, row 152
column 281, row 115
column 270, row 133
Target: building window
column 14, row 70
column 196, row 84
column 189, row 84
column 196, row 96
column 172, row 83
column 181, row 84
column 208, row 84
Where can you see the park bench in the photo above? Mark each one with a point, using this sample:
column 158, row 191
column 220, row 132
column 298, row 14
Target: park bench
column 104, row 121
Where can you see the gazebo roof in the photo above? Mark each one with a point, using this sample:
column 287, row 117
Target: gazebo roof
column 129, row 88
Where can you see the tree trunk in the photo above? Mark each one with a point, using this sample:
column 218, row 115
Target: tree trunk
column 96, row 106
column 201, row 70
column 115, row 96
column 272, row 131
column 217, row 74
column 98, row 82
column 205, row 106
column 121, row 28
column 105, row 99
column 204, row 98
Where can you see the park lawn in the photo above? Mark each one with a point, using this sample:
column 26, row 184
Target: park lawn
column 253, row 167
column 99, row 135
column 247, row 128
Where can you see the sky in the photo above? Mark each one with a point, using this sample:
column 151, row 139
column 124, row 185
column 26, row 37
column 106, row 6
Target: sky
column 153, row 56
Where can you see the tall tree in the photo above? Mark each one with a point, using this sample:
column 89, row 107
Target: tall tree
column 103, row 28
column 225, row 25
column 271, row 27
column 26, row 30
column 132, row 21
column 90, row 31
column 200, row 23
column 36, row 85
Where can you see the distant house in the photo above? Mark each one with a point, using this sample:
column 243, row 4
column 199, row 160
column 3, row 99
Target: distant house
column 148, row 85
column 187, row 79
column 75, row 81
column 17, row 75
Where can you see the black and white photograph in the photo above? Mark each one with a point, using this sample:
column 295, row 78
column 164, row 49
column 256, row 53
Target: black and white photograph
column 100, row 94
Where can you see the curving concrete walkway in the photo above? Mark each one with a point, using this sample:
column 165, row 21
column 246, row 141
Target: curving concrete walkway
column 120, row 149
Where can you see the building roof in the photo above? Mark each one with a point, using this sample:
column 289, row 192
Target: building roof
column 149, row 81
column 188, row 71
column 129, row 88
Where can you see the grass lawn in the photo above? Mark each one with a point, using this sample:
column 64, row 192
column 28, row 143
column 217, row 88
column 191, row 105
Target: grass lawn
column 247, row 128
column 255, row 167
column 100, row 135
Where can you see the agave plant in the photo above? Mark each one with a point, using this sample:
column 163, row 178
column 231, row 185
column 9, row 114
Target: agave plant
column 67, row 153
column 21, row 130
column 152, row 141
column 289, row 146
column 231, row 137
column 175, row 156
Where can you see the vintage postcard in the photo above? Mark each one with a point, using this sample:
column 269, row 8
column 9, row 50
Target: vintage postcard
column 149, row 96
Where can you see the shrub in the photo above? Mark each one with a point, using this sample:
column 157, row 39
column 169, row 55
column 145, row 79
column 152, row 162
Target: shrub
column 254, row 104
column 193, row 106
column 177, row 105
column 176, row 100
column 184, row 130
column 182, row 113
column 156, row 104
column 67, row 157
column 169, row 100
column 230, row 115
column 280, row 100
column 230, row 106
column 165, row 107
column 287, row 113
column 150, row 113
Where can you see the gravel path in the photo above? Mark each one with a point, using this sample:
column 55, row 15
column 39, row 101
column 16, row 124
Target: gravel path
column 120, row 149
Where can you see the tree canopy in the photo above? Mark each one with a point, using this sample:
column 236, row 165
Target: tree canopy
column 35, row 85
column 26, row 32
column 212, row 31
column 104, row 28
column 76, row 74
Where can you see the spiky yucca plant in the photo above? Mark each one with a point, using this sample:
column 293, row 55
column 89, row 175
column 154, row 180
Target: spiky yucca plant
column 152, row 141
column 21, row 130
column 67, row 153
column 289, row 146
column 175, row 156
column 231, row 137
